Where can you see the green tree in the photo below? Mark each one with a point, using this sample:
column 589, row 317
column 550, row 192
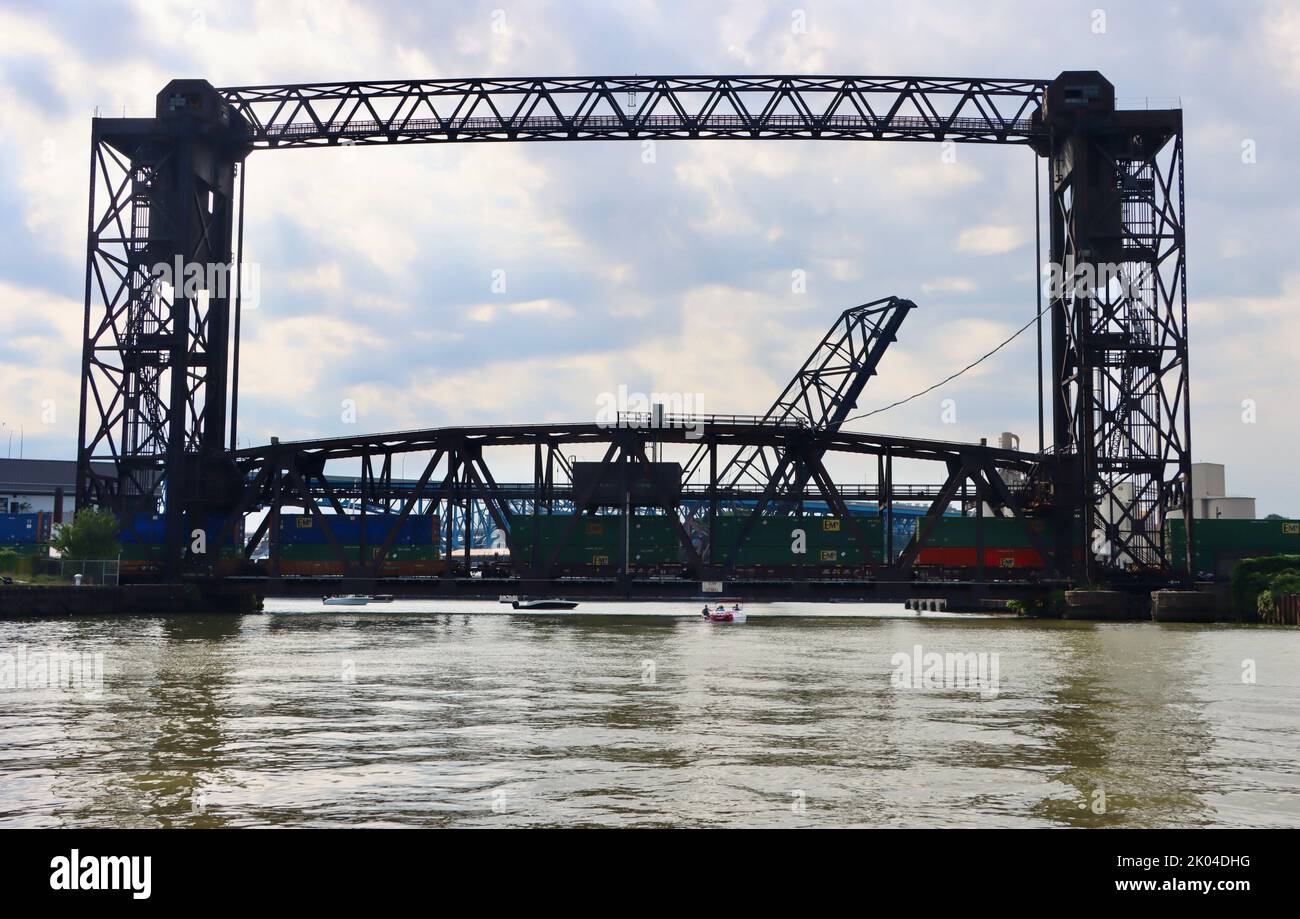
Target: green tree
column 92, row 534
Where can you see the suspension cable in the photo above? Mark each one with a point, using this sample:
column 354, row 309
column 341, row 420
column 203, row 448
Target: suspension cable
column 951, row 377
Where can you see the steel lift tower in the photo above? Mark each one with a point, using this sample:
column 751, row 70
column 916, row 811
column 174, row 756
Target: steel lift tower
column 160, row 356
column 1120, row 395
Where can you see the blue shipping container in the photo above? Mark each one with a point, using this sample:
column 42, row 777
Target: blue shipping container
column 20, row 529
column 304, row 529
column 146, row 529
column 151, row 529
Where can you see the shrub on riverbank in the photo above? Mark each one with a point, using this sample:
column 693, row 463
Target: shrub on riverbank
column 1265, row 579
column 91, row 535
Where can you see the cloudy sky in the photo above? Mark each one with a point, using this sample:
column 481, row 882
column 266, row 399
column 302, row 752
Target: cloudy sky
column 377, row 265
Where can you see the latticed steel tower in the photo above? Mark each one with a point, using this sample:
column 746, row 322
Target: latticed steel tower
column 1119, row 323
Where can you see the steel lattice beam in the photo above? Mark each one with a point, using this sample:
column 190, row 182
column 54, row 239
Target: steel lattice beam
column 823, row 391
column 622, row 108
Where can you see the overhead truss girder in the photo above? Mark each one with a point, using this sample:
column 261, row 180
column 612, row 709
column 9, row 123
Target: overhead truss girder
column 654, row 107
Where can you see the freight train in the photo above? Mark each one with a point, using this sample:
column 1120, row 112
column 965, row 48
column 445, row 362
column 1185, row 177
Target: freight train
column 951, row 551
column 1219, row 544
column 304, row 548
column 775, row 546
column 143, row 536
column 799, row 546
column 595, row 548
column 24, row 540
column 793, row 547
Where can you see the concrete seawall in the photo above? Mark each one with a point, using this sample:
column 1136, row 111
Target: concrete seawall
column 19, row 601
column 1205, row 605
column 1104, row 605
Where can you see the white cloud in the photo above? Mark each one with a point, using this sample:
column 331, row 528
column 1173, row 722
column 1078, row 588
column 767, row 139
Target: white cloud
column 1281, row 37
column 377, row 263
column 39, row 378
column 326, row 276
column 948, row 285
column 542, row 307
column 991, row 240
column 290, row 361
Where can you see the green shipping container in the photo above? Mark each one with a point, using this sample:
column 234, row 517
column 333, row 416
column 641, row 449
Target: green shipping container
column 326, row 553
column 999, row 533
column 597, row 541
column 1221, row 543
column 141, row 551
column 773, row 541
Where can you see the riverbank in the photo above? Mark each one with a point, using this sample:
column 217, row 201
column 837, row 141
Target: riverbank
column 240, row 596
column 18, row 601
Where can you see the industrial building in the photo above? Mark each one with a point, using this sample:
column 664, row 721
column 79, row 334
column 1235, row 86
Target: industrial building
column 1209, row 495
column 32, row 486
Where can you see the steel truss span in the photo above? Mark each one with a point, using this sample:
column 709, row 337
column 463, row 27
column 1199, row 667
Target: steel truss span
column 457, row 477
column 624, row 108
column 160, row 361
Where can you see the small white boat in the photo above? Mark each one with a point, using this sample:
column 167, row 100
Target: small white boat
column 346, row 600
column 545, row 604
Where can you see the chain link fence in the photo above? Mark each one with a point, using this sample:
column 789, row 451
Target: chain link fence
column 93, row 571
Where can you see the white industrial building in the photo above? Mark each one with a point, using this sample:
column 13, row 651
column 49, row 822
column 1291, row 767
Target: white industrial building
column 1209, row 495
column 29, row 486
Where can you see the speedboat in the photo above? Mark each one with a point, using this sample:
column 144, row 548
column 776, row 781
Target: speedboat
column 544, row 604
column 381, row 598
column 721, row 613
column 346, row 600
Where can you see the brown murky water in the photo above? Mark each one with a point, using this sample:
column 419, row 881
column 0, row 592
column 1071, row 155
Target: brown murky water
column 438, row 714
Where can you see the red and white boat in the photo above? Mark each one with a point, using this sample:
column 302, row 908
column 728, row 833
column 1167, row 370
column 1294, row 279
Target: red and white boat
column 724, row 611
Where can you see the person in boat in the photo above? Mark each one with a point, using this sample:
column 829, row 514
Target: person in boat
column 705, row 611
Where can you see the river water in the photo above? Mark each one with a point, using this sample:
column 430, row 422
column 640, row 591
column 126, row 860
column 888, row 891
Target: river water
column 463, row 714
